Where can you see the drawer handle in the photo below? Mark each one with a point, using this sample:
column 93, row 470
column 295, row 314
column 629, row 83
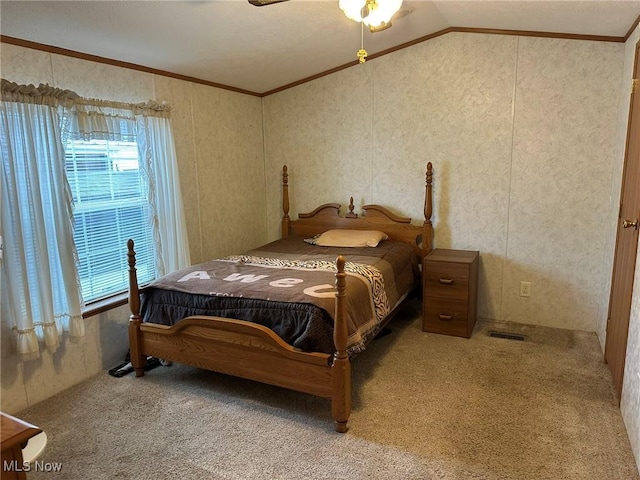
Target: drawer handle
column 444, row 317
column 446, row 281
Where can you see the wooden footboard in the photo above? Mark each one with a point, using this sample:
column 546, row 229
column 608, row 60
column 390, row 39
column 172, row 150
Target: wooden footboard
column 238, row 348
column 247, row 350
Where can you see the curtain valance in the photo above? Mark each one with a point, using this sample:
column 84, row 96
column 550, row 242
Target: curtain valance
column 43, row 94
column 48, row 95
column 99, row 119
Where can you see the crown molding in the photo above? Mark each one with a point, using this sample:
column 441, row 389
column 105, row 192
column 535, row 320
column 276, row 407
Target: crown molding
column 133, row 66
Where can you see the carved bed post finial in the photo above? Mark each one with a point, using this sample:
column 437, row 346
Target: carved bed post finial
column 427, row 229
column 138, row 361
column 350, row 214
column 340, row 332
column 341, row 368
column 134, row 300
column 285, row 202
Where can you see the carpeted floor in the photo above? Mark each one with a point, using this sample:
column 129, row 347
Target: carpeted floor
column 425, row 406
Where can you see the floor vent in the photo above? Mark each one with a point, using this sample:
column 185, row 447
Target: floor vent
column 508, row 336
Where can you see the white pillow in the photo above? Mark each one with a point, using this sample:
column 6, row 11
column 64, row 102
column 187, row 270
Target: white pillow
column 349, row 238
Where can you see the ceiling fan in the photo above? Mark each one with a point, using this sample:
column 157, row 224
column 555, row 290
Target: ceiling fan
column 262, row 3
column 375, row 14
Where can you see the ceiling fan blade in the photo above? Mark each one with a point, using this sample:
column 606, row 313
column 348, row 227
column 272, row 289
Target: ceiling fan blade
column 379, row 28
column 399, row 14
column 262, row 3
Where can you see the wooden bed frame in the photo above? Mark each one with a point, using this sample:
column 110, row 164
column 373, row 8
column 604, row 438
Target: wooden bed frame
column 251, row 351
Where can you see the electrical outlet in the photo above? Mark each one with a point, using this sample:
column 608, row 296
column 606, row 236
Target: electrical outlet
column 525, row 289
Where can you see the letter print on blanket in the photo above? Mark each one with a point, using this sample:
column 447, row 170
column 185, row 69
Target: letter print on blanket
column 370, row 274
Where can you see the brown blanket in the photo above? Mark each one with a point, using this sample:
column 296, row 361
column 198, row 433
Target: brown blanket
column 290, row 270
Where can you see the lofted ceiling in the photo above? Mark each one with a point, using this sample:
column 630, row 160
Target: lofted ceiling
column 260, row 49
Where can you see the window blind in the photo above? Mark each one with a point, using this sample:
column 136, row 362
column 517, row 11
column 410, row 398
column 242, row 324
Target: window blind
column 110, row 206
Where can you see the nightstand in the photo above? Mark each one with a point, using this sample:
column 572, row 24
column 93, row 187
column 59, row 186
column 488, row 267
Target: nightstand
column 450, row 292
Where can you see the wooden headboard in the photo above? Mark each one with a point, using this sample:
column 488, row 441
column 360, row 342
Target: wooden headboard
column 374, row 217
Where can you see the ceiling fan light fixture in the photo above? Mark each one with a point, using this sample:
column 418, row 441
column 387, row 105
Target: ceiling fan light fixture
column 352, row 9
column 373, row 13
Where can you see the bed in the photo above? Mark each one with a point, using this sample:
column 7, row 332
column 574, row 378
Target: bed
column 331, row 300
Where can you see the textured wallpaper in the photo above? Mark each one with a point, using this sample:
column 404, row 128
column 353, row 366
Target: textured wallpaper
column 230, row 170
column 23, row 65
column 521, row 132
column 565, row 123
column 322, row 131
column 456, row 113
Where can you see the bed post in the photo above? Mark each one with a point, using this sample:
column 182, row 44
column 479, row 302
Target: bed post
column 427, row 227
column 138, row 361
column 341, row 368
column 285, row 202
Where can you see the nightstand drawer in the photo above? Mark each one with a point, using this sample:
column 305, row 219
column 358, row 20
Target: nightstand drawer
column 445, row 316
column 446, row 280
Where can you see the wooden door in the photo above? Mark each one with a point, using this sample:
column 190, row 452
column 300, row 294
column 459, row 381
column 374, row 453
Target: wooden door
column 626, row 242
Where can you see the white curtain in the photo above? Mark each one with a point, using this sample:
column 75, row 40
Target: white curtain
column 40, row 288
column 41, row 293
column 101, row 119
column 158, row 155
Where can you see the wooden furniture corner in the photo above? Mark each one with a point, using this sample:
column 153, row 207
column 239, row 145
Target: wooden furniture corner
column 450, row 292
column 15, row 434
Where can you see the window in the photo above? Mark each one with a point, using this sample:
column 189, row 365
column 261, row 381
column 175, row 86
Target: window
column 110, row 206
column 61, row 151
